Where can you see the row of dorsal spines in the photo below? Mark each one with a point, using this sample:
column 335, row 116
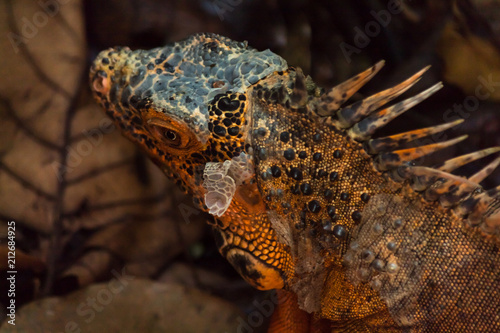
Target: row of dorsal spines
column 361, row 119
column 435, row 184
column 481, row 210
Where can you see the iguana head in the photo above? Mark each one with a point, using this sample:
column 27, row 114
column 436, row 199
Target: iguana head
column 184, row 103
column 188, row 106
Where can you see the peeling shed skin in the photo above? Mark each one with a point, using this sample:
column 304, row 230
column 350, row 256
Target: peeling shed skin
column 355, row 237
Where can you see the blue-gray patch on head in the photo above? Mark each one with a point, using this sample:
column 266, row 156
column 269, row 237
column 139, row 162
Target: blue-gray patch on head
column 199, row 67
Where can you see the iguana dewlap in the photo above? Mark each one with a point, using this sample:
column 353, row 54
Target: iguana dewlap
column 347, row 227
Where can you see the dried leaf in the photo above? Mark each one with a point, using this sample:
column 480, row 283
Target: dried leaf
column 125, row 305
column 83, row 198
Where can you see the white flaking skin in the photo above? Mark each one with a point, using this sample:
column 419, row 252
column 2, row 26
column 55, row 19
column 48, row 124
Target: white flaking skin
column 221, row 180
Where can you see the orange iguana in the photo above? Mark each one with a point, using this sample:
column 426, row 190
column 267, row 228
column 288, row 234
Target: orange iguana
column 353, row 234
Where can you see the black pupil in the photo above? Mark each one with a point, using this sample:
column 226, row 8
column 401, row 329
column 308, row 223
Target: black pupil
column 170, row 135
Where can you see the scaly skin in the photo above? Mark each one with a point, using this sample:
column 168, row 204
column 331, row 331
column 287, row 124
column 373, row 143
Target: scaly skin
column 355, row 237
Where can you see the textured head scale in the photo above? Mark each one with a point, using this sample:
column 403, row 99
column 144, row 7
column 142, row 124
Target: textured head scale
column 181, row 79
column 186, row 104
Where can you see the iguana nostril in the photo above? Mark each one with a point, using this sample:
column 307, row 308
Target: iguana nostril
column 101, row 82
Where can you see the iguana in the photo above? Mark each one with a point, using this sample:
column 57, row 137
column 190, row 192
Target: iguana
column 354, row 235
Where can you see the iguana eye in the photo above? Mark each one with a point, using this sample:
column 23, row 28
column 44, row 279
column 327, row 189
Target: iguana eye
column 167, row 133
column 172, row 137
